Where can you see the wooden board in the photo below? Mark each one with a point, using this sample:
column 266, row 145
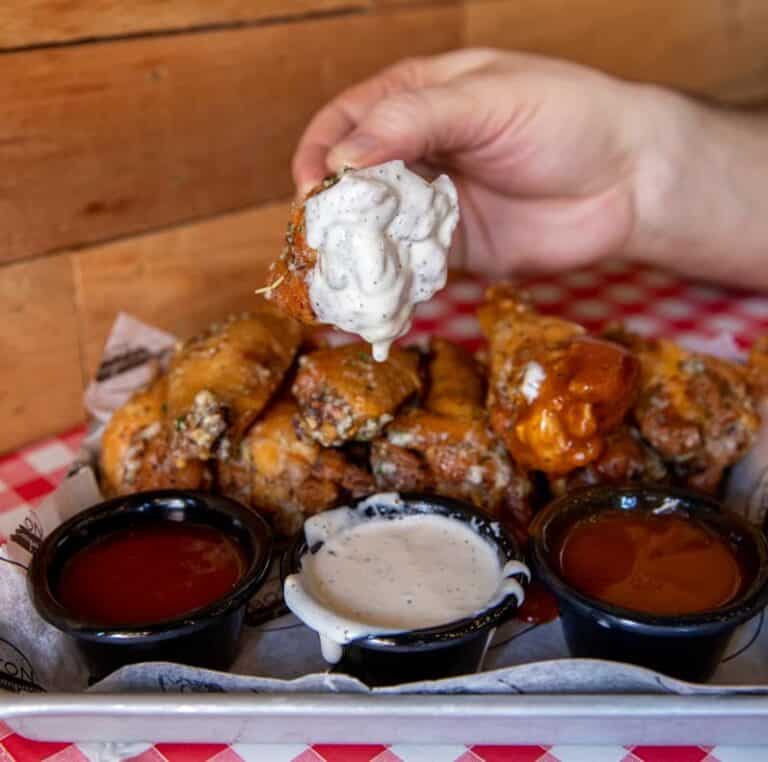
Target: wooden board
column 180, row 279
column 106, row 140
column 41, row 22
column 709, row 47
column 41, row 389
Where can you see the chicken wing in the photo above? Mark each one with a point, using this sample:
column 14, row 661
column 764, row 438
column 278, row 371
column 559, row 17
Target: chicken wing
column 135, row 449
column 345, row 395
column 287, row 476
column 456, row 387
column 554, row 392
column 625, row 458
column 221, row 379
column 758, row 368
column 287, row 285
column 447, row 448
column 697, row 411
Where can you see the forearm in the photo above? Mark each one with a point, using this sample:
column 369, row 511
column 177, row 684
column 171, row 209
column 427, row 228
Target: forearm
column 702, row 192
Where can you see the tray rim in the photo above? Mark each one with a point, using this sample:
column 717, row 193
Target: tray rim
column 608, row 719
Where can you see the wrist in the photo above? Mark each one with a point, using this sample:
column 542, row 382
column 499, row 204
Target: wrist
column 664, row 126
column 700, row 203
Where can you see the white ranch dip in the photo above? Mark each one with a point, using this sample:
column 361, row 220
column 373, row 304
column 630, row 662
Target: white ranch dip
column 382, row 575
column 382, row 236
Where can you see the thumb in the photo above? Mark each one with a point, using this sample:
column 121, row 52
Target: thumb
column 411, row 125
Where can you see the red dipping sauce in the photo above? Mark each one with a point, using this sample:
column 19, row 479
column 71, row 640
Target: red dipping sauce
column 150, row 573
column 539, row 606
column 653, row 563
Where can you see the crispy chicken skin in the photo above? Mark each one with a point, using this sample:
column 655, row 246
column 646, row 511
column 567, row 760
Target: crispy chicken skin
column 554, row 393
column 135, row 452
column 697, row 411
column 625, row 458
column 287, row 285
column 456, row 387
column 447, row 447
column 286, row 476
column 345, row 395
column 287, row 280
column 221, row 379
column 758, row 368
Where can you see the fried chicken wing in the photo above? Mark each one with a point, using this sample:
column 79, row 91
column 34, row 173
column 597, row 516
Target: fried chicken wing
column 287, row 476
column 758, row 368
column 625, row 458
column 554, row 392
column 135, row 448
column 345, row 395
column 364, row 249
column 287, row 281
column 697, row 411
column 456, row 387
column 447, row 447
column 221, row 379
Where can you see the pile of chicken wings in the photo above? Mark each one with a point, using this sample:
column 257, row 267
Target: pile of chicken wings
column 257, row 408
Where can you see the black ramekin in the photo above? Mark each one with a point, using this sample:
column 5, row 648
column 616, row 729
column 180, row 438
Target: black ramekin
column 455, row 648
column 689, row 646
column 207, row 637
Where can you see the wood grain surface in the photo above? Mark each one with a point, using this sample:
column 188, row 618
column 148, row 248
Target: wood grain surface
column 41, row 22
column 150, row 156
column 180, row 279
column 40, row 377
column 714, row 48
column 105, row 140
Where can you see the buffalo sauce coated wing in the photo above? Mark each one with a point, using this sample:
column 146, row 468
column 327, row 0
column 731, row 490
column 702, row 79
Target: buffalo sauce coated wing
column 285, row 475
column 345, row 395
column 135, row 449
column 625, row 458
column 697, row 411
column 554, row 393
column 446, row 447
column 220, row 380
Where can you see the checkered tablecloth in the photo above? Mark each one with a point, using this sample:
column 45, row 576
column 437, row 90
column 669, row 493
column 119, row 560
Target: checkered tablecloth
column 647, row 301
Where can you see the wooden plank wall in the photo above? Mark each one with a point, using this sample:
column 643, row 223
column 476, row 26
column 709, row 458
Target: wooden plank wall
column 145, row 150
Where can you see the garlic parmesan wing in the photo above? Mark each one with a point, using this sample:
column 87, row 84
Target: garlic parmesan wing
column 286, row 476
column 220, row 380
column 758, row 368
column 345, row 395
column 456, row 386
column 135, row 449
column 698, row 412
column 287, row 285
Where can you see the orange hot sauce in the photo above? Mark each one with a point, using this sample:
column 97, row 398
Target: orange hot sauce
column 663, row 564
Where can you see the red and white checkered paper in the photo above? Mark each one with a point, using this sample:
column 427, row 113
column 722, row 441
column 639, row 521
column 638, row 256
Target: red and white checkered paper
column 647, row 301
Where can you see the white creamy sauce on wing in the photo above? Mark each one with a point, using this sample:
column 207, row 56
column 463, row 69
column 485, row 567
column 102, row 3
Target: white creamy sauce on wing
column 533, row 378
column 381, row 575
column 382, row 236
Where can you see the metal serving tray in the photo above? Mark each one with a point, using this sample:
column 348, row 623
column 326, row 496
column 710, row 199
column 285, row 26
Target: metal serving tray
column 467, row 719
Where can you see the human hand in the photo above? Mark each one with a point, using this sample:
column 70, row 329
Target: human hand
column 544, row 153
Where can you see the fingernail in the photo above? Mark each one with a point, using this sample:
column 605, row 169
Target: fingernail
column 351, row 151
